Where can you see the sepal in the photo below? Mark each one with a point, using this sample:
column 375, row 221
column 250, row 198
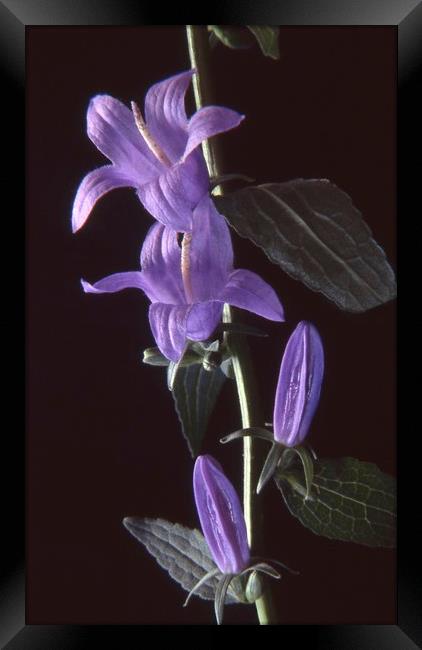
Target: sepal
column 308, row 468
column 254, row 432
column 270, row 465
column 153, row 357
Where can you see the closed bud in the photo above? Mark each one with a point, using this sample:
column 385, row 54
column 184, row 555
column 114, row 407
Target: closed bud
column 299, row 385
column 221, row 516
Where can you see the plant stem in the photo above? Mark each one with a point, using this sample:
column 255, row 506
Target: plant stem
column 242, row 365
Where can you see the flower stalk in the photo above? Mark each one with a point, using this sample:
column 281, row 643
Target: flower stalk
column 244, row 376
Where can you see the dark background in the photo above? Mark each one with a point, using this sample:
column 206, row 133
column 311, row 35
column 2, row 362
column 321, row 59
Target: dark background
column 103, row 439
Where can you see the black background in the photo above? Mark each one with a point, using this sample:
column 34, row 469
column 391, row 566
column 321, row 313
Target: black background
column 103, row 439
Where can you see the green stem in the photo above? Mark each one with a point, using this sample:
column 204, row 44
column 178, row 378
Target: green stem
column 242, row 365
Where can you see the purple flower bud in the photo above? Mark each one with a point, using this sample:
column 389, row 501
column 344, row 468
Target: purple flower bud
column 221, row 516
column 299, row 385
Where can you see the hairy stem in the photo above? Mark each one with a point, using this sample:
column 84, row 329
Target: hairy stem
column 242, row 365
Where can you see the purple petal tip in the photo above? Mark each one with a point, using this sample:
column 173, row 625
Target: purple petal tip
column 87, row 287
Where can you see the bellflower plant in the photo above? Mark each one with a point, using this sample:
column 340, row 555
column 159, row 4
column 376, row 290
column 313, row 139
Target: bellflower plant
column 189, row 284
column 311, row 229
column 224, row 528
column 158, row 156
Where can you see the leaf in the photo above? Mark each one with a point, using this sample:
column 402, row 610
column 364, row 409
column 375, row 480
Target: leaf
column 267, row 38
column 230, row 36
column 351, row 501
column 314, row 232
column 195, row 392
column 183, row 553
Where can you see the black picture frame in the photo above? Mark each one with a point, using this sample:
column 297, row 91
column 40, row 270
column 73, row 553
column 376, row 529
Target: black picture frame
column 408, row 20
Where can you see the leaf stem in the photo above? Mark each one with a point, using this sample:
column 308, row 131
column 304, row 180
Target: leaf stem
column 242, row 365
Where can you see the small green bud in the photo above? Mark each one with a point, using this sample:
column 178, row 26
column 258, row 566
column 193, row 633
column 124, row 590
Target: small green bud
column 253, row 589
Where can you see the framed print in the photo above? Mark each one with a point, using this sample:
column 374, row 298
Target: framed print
column 120, row 470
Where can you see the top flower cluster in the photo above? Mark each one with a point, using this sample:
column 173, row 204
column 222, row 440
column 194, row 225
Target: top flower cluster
column 188, row 282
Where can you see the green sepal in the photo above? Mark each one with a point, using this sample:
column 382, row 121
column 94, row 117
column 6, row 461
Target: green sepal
column 308, row 467
column 257, row 432
column 220, row 596
column 270, row 465
column 153, row 357
column 174, row 366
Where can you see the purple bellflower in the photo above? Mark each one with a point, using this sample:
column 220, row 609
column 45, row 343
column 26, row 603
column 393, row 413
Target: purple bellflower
column 224, row 528
column 188, row 284
column 296, row 400
column 159, row 157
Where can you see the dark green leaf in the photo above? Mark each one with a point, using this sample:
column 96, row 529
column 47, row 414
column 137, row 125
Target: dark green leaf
column 267, row 37
column 195, row 392
column 183, row 553
column 351, row 501
column 233, row 37
column 313, row 231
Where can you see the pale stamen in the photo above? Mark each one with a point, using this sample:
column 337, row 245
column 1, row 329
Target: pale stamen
column 185, row 265
column 143, row 130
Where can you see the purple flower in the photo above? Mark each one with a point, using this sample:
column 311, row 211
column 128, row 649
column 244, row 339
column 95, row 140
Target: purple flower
column 299, row 385
column 189, row 284
column 296, row 400
column 159, row 157
column 224, row 528
column 221, row 516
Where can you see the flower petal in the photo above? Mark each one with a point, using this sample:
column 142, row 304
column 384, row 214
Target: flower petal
column 117, row 282
column 221, row 515
column 209, row 121
column 247, row 290
column 299, row 385
column 172, row 196
column 93, row 187
column 211, row 252
column 168, row 325
column 160, row 262
column 202, row 320
column 111, row 127
column 165, row 113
